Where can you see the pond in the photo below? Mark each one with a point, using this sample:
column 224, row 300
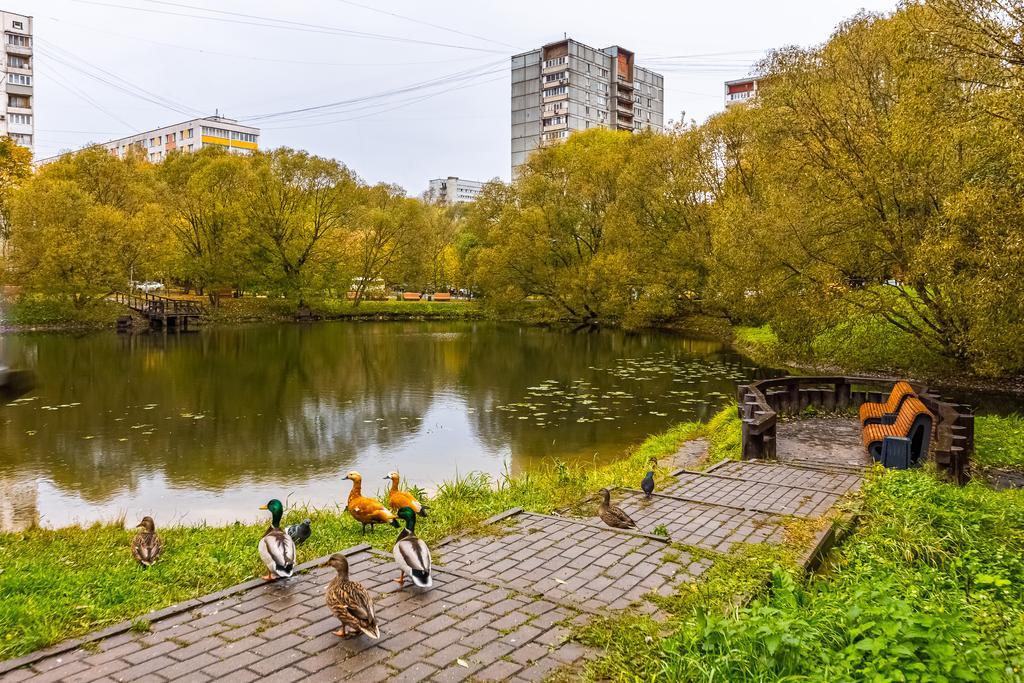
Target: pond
column 209, row 425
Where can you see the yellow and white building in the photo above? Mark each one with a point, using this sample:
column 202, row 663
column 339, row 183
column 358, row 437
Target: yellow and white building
column 188, row 136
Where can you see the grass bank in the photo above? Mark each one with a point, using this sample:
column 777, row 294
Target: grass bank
column 248, row 310
column 929, row 586
column 56, row 584
column 45, row 313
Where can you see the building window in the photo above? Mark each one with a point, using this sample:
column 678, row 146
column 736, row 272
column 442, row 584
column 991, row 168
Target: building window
column 554, row 121
column 22, row 139
column 557, row 61
column 560, row 90
column 551, row 78
column 555, row 135
column 19, row 41
column 19, row 79
column 17, row 62
column 23, row 101
column 18, row 25
column 25, row 119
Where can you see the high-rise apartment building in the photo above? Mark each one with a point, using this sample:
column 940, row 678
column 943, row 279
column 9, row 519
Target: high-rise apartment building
column 18, row 118
column 740, row 91
column 568, row 86
column 453, row 190
column 188, row 136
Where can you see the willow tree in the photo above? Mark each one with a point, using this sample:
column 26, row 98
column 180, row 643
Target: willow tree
column 299, row 208
column 207, row 197
column 865, row 160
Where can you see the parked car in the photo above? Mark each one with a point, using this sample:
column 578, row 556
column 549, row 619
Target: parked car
column 149, row 286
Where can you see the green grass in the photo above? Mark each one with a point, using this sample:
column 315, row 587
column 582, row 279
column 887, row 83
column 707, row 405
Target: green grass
column 31, row 310
column 999, row 441
column 929, row 587
column 55, row 584
column 856, row 344
column 233, row 311
column 724, row 437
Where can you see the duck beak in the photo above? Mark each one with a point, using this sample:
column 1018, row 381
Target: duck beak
column 387, row 477
column 263, row 507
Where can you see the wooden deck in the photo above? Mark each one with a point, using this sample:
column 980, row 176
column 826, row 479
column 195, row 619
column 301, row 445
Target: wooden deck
column 162, row 312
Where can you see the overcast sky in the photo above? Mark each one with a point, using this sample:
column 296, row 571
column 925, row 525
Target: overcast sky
column 435, row 76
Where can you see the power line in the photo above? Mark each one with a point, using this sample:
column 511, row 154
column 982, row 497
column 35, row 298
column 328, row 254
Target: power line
column 254, row 58
column 442, row 80
column 52, row 51
column 427, row 23
column 386, row 109
column 75, row 91
column 256, row 20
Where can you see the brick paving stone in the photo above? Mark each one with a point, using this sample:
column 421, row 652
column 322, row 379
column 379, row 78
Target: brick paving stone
column 505, row 605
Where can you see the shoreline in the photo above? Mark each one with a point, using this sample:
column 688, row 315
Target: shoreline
column 252, row 311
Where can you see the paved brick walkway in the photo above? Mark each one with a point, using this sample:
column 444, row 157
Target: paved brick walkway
column 503, row 605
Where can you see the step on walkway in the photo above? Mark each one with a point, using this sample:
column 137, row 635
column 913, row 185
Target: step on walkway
column 503, row 605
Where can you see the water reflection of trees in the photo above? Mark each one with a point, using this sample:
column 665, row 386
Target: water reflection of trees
column 289, row 403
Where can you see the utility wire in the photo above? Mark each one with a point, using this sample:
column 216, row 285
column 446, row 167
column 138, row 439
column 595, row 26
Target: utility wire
column 442, row 80
column 427, row 23
column 75, row 91
column 256, row 20
column 125, row 86
column 235, row 55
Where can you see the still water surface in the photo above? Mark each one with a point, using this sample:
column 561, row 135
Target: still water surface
column 208, row 426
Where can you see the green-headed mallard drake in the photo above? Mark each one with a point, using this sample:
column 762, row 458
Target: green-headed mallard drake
column 647, row 485
column 398, row 499
column 411, row 553
column 367, row 511
column 613, row 515
column 350, row 602
column 147, row 546
column 277, row 549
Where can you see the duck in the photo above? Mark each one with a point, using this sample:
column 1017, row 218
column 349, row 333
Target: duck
column 300, row 532
column 367, row 511
column 401, row 499
column 613, row 515
column 277, row 549
column 147, row 545
column 411, row 553
column 350, row 602
column 647, row 485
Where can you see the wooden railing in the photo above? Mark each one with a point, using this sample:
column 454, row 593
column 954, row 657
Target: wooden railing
column 154, row 306
column 761, row 403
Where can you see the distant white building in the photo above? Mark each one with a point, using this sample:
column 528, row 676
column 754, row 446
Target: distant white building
column 740, row 91
column 17, row 121
column 453, row 190
column 189, row 136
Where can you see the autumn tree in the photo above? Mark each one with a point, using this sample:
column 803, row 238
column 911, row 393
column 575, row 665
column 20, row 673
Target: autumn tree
column 299, row 206
column 207, row 193
column 15, row 167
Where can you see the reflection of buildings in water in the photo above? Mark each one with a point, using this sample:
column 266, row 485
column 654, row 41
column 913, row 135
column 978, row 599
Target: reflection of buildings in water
column 19, row 505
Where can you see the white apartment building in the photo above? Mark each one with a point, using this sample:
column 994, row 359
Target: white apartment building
column 18, row 119
column 568, row 86
column 189, row 136
column 453, row 190
column 740, row 91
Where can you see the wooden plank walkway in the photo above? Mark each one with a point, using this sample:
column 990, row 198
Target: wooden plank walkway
column 503, row 605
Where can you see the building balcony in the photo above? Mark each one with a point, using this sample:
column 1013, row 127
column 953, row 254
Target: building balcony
column 623, row 108
column 555, row 98
column 555, row 126
column 554, row 111
column 624, row 84
column 554, row 69
column 18, row 50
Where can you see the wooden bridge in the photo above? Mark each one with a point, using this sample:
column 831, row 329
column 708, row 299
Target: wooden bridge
column 162, row 312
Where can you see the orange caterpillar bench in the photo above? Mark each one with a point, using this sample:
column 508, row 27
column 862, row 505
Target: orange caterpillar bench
column 903, row 443
column 874, row 413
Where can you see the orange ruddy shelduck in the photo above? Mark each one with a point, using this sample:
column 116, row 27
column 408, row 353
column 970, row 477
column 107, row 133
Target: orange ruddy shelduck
column 403, row 499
